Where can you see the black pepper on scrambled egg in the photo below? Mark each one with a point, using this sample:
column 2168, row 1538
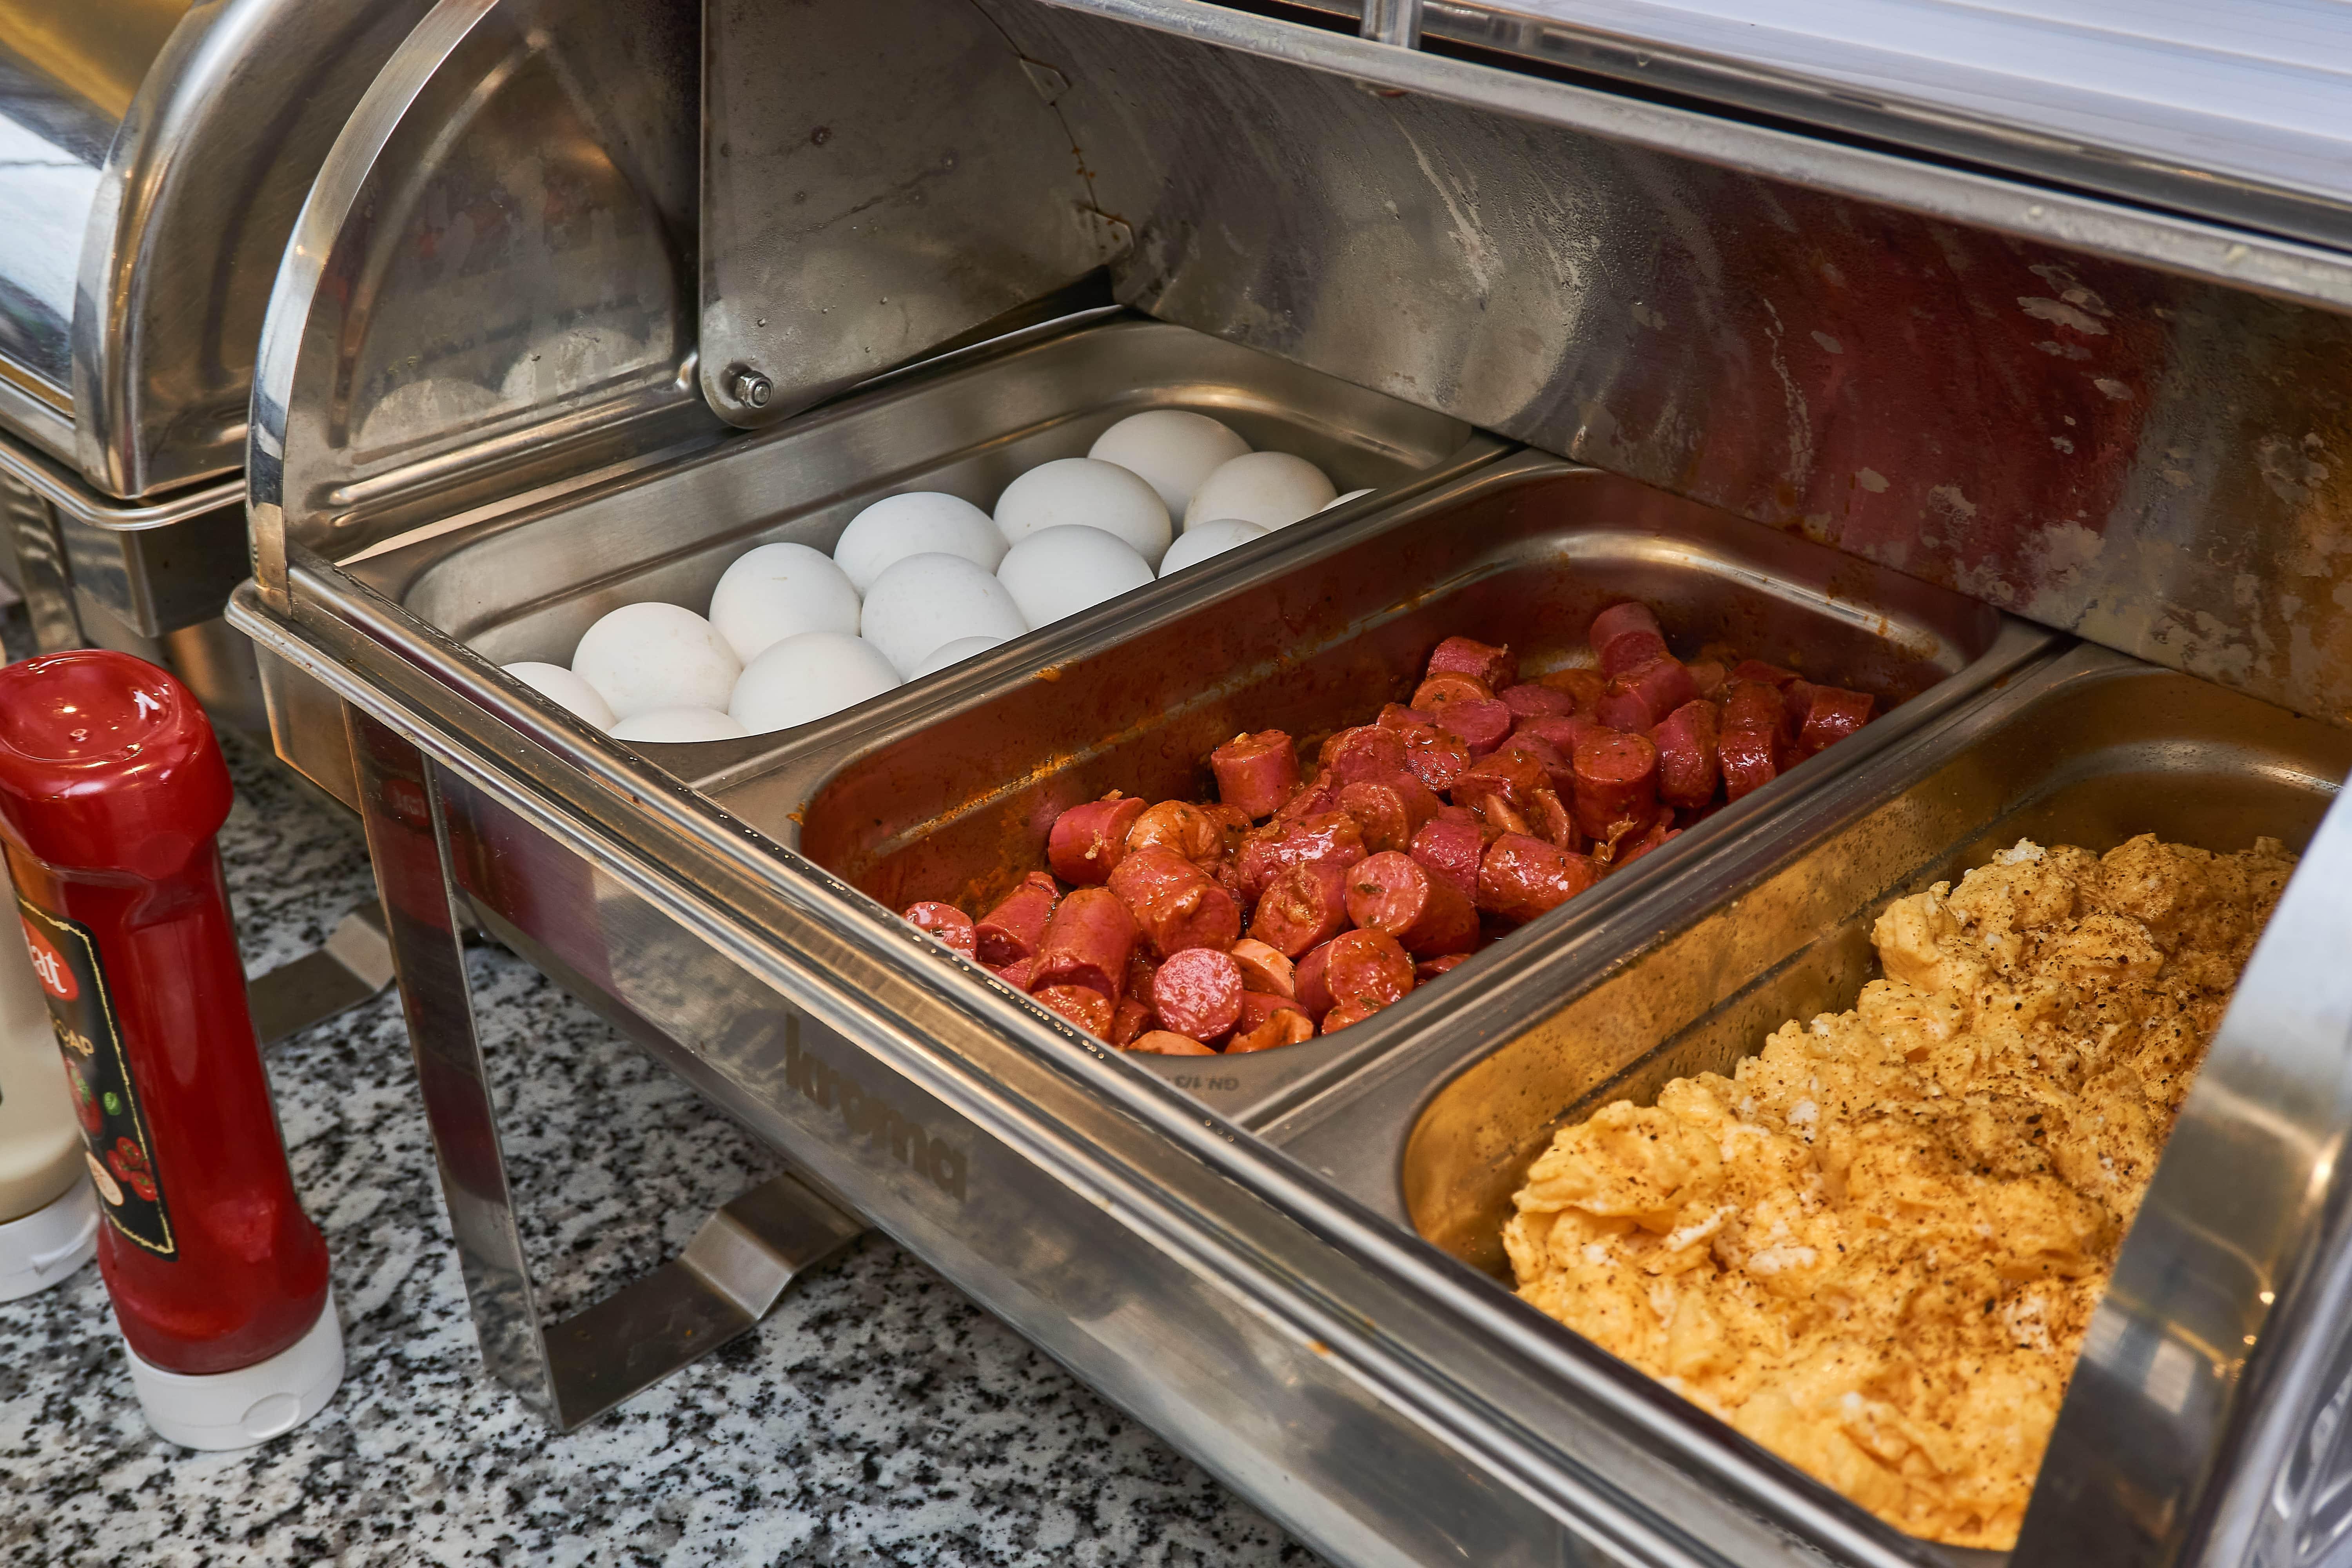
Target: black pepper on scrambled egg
column 1875, row 1248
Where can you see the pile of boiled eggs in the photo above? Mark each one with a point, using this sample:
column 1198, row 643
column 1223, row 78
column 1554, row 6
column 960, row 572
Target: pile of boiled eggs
column 925, row 580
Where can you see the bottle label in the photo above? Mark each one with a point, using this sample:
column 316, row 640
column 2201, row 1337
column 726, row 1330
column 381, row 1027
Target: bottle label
column 113, row 1129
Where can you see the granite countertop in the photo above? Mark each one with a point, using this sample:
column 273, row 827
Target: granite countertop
column 877, row 1416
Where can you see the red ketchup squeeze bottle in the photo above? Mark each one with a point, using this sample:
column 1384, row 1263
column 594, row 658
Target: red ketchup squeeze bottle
column 111, row 793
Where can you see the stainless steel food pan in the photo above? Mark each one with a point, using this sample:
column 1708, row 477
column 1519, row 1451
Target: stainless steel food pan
column 2090, row 750
column 952, row 799
column 526, row 585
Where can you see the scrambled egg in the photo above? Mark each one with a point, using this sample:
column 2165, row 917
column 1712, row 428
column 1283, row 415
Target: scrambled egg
column 1876, row 1249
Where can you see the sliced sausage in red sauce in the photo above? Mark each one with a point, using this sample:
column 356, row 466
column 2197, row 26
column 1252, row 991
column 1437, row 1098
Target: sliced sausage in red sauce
column 1258, row 1006
column 1451, row 846
column 1616, row 780
column 1688, row 772
column 1835, row 714
column 1645, row 694
column 1497, row 667
column 1481, row 724
column 1658, row 837
column 1265, row 968
column 1130, row 1022
column 1305, row 906
column 1365, row 969
column 1255, row 773
column 1088, row 942
column 1771, row 675
column 1087, row 840
column 1084, row 1005
column 1552, row 819
column 1550, row 753
column 1331, row 836
column 1585, row 686
column 1012, row 931
column 1750, row 756
column 1614, row 622
column 1514, row 773
column 1168, row 1043
column 1389, row 812
column 1176, row 905
column 1016, row 973
column 1429, row 969
column 1287, row 1028
column 1709, row 674
column 1314, row 995
column 1399, row 897
column 1434, row 756
column 1530, row 699
column 945, row 921
column 1316, row 797
column 1198, row 993
column 1363, row 754
column 1753, row 705
column 1439, row 692
column 1179, row 827
column 1522, row 877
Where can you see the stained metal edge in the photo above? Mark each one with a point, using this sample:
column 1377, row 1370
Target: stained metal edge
column 72, row 496
column 2236, row 257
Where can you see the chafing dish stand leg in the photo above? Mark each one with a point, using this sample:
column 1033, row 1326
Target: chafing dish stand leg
column 571, row 1369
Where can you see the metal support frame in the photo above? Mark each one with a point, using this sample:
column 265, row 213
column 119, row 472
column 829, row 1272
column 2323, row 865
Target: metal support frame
column 571, row 1370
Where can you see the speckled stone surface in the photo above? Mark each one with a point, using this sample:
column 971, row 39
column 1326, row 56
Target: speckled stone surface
column 878, row 1416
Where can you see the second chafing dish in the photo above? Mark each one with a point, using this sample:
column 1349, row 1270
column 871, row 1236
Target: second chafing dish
column 2091, row 749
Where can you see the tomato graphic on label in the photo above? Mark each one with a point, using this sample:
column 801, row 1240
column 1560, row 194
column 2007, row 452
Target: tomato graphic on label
column 132, row 1165
column 85, row 1104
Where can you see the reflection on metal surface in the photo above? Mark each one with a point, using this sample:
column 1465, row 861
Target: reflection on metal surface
column 493, row 282
column 1808, row 335
column 848, row 225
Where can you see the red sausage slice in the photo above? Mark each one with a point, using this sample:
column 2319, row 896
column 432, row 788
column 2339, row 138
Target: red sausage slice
column 1522, row 877
column 1439, row 692
column 1166, row 1043
column 1749, row 753
column 1450, row 846
column 1657, row 838
column 1688, row 770
column 1130, row 1022
column 1087, row 840
column 1314, row 995
column 945, row 921
column 1258, row 1006
column 1552, row 820
column 1176, row 905
column 1314, row 797
column 1255, row 773
column 1429, row 969
column 1287, row 1028
column 1012, row 931
column 1585, row 686
column 1434, row 756
column 1366, row 970
column 1088, row 942
column 1614, row 622
column 1082, row 1005
column 1331, row 837
column 1497, row 667
column 1645, row 694
column 1552, row 757
column 1835, row 714
column 1198, row 993
column 1390, row 813
column 1265, row 968
column 1514, row 774
column 1017, row 973
column 1771, row 675
column 1427, row 914
column 1616, row 780
column 1480, row 723
column 1709, row 675
column 1179, row 827
column 1363, row 754
column 1630, row 650
column 1306, row 905
column 1753, row 705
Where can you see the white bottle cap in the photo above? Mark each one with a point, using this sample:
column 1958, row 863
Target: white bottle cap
column 252, row 1404
column 47, row 1246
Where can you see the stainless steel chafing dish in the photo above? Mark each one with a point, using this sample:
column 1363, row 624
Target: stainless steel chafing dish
column 156, row 154
column 1873, row 405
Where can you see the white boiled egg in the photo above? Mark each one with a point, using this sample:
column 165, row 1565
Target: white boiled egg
column 565, row 690
column 1351, row 495
column 1061, row 571
column 1202, row 540
column 920, row 522
column 679, row 724
column 926, row 601
column 1273, row 489
column 648, row 656
column 1079, row 492
column 779, row 590
column 802, row 679
column 955, row 652
column 1171, row 449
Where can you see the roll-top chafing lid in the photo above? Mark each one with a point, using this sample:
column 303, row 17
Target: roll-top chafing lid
column 153, row 157
column 2230, row 112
